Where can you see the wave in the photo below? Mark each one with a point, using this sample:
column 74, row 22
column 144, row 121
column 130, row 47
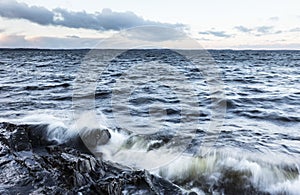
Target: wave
column 84, row 132
column 46, row 87
column 234, row 172
column 227, row 170
column 264, row 108
column 286, row 187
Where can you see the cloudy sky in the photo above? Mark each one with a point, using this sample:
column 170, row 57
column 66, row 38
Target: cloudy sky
column 215, row 24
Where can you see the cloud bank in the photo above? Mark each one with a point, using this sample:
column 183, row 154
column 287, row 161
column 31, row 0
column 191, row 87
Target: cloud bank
column 20, row 41
column 105, row 20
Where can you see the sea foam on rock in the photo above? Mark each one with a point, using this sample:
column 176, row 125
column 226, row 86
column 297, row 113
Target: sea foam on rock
column 32, row 164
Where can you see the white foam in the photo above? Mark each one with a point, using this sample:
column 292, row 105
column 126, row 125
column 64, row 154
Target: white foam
column 62, row 125
column 90, row 120
column 58, row 128
column 263, row 174
column 263, row 171
column 137, row 155
column 197, row 191
column 116, row 141
column 286, row 187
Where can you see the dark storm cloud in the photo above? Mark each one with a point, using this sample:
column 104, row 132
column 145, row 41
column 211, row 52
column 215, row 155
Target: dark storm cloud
column 216, row 33
column 105, row 20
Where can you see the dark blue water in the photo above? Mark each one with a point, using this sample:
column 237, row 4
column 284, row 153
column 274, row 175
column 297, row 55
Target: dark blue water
column 159, row 106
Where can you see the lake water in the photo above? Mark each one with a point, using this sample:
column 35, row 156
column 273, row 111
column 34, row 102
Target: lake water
column 223, row 121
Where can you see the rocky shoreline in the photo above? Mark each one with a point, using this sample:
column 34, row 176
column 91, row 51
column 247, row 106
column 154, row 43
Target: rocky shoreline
column 31, row 164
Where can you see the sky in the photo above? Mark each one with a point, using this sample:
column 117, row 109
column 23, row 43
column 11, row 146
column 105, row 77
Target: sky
column 214, row 24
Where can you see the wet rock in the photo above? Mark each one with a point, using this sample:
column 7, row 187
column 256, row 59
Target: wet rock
column 30, row 164
column 95, row 137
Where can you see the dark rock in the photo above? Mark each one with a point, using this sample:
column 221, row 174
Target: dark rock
column 31, row 164
column 94, row 137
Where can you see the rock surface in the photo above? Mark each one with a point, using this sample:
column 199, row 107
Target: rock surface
column 30, row 164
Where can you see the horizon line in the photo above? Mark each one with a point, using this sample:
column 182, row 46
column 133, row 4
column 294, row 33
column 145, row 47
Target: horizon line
column 218, row 49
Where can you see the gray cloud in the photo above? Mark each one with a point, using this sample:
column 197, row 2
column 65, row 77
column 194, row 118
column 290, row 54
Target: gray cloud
column 73, row 36
column 278, row 32
column 15, row 10
column 105, row 20
column 295, row 30
column 243, row 29
column 204, row 33
column 264, row 29
column 203, row 39
column 259, row 30
column 216, row 33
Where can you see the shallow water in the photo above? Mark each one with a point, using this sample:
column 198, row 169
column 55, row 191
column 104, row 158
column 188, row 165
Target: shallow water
column 160, row 107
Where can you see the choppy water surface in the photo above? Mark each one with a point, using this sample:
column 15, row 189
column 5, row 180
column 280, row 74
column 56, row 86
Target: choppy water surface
column 258, row 145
